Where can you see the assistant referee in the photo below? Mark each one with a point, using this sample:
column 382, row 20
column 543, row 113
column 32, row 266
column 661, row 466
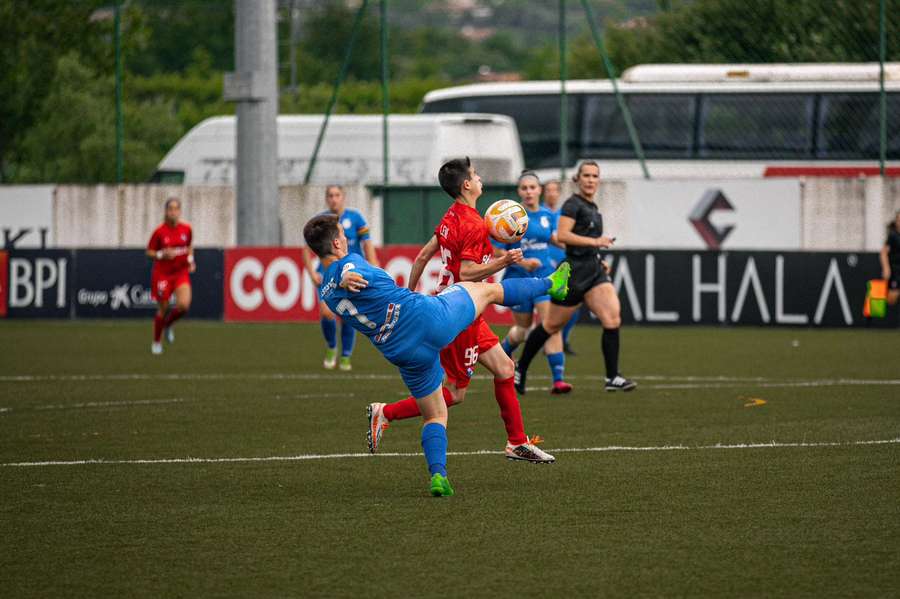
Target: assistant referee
column 581, row 230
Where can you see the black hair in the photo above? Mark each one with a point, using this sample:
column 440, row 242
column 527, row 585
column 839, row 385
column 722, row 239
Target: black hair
column 319, row 232
column 529, row 173
column 453, row 174
column 173, row 199
column 583, row 164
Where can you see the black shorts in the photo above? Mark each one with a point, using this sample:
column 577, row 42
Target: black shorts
column 586, row 274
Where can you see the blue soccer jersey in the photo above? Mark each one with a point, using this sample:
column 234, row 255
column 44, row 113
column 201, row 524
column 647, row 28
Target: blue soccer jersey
column 408, row 328
column 535, row 244
column 557, row 254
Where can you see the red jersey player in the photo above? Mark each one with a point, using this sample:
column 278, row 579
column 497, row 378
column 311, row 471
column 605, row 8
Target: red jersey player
column 172, row 251
column 467, row 254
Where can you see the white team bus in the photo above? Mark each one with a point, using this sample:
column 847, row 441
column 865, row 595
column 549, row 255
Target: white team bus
column 703, row 120
column 351, row 151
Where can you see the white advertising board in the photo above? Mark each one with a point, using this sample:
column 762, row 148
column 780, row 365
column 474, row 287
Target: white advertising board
column 26, row 216
column 715, row 215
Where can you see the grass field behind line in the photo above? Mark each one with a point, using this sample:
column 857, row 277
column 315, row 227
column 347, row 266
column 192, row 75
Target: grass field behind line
column 749, row 462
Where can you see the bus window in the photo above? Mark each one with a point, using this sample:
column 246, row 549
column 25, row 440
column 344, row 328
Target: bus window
column 537, row 119
column 756, row 126
column 664, row 123
column 849, row 126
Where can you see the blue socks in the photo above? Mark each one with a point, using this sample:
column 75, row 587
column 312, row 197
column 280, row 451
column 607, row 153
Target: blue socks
column 518, row 291
column 557, row 364
column 434, row 443
column 348, row 339
column 508, row 347
column 329, row 331
column 570, row 325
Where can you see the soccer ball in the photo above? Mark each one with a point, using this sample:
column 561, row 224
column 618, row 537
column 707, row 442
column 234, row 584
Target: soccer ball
column 506, row 221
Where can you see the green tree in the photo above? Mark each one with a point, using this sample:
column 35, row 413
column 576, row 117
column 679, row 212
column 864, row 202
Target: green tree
column 73, row 138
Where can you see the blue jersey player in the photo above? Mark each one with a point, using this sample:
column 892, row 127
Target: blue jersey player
column 410, row 329
column 536, row 248
column 357, row 232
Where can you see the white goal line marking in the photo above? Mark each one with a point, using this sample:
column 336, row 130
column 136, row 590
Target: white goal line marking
column 343, row 456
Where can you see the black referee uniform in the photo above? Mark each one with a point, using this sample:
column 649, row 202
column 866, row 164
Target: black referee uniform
column 893, row 244
column 587, row 273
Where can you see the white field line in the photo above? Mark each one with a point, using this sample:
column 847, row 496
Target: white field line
column 153, row 402
column 343, row 456
column 677, row 382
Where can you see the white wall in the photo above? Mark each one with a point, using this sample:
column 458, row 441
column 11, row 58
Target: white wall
column 834, row 214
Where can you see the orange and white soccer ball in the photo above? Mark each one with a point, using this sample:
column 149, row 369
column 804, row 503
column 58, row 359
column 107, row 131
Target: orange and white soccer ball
column 506, row 221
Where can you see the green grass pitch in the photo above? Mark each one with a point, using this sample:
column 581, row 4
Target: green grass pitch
column 694, row 487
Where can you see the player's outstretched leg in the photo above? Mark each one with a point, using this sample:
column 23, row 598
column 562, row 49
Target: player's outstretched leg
column 512, row 292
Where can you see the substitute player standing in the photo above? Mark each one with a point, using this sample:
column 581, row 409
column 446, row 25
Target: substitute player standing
column 357, row 231
column 467, row 253
column 171, row 248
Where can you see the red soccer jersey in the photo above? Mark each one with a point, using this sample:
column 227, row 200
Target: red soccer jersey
column 462, row 235
column 178, row 238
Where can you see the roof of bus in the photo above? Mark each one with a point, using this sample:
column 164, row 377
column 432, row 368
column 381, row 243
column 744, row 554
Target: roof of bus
column 366, row 119
column 700, row 78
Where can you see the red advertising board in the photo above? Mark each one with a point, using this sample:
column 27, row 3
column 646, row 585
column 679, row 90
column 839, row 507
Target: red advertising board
column 271, row 284
column 4, row 279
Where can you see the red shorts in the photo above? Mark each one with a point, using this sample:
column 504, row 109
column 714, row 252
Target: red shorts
column 163, row 285
column 460, row 357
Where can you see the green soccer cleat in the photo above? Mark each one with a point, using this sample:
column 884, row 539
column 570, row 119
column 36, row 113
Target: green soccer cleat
column 440, row 486
column 559, row 281
column 330, row 360
column 345, row 364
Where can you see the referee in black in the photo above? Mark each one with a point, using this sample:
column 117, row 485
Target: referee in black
column 890, row 260
column 581, row 230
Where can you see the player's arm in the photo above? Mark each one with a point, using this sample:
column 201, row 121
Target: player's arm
column 353, row 280
column 369, row 252
column 193, row 265
column 307, row 262
column 155, row 252
column 418, row 267
column 885, row 263
column 565, row 235
column 554, row 239
column 529, row 264
column 473, row 271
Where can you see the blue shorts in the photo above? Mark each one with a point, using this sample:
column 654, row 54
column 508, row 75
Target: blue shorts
column 437, row 322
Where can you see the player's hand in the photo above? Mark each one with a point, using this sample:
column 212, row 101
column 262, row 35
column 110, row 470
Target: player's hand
column 317, row 278
column 353, row 282
column 193, row 267
column 530, row 264
column 513, row 257
column 605, row 266
column 604, row 242
column 168, row 253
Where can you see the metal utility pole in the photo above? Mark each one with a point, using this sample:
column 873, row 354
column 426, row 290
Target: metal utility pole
column 295, row 37
column 120, row 121
column 254, row 86
column 563, row 100
column 385, row 97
